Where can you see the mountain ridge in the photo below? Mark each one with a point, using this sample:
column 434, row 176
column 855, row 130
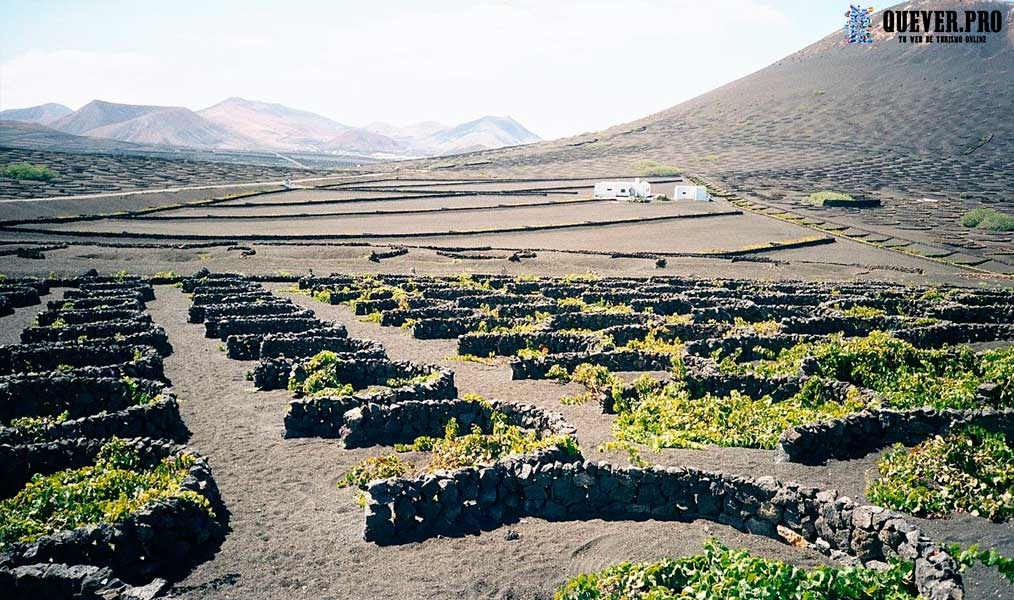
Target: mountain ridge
column 251, row 125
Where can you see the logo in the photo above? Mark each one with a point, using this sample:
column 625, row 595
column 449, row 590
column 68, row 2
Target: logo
column 858, row 25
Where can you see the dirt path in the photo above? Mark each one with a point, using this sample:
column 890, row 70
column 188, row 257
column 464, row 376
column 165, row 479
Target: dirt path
column 12, row 325
column 294, row 535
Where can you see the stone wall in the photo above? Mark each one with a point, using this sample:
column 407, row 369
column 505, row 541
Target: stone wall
column 614, row 360
column 403, row 422
column 508, row 344
column 597, row 321
column 272, row 315
column 19, row 296
column 262, row 325
column 147, row 292
column 89, row 315
column 98, row 358
column 97, row 407
column 106, row 330
column 87, row 303
column 184, row 530
column 857, row 435
column 703, row 376
column 557, row 487
column 274, row 372
column 85, row 294
column 323, row 416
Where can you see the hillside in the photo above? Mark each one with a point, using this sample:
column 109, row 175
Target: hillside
column 158, row 125
column 272, row 125
column 892, row 117
column 487, row 132
column 42, row 114
column 430, row 138
column 250, row 125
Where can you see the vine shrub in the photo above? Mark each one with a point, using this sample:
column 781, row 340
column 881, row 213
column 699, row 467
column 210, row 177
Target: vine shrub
column 967, row 557
column 906, row 376
column 669, row 417
column 320, row 377
column 455, row 450
column 374, row 467
column 596, row 379
column 34, row 428
column 28, row 171
column 735, row 574
column 967, row 471
column 106, row 492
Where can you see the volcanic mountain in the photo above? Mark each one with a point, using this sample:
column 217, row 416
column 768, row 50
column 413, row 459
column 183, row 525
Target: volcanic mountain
column 159, row 125
column 42, row 114
column 912, row 117
column 249, row 125
column 432, row 138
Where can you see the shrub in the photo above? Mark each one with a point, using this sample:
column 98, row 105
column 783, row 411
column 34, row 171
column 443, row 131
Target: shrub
column 989, row 219
column 973, row 217
column 106, row 492
column 653, row 343
column 864, row 312
column 320, row 377
column 819, row 198
column 906, row 376
column 34, row 428
column 418, row 379
column 27, row 171
column 966, row 471
column 137, row 396
column 669, row 417
column 374, row 467
column 723, row 573
column 454, row 450
column 769, row 327
column 967, row 557
column 650, row 168
column 596, row 380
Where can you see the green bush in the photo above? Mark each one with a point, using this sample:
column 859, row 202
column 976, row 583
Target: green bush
column 454, row 450
column 374, row 467
column 106, row 492
column 670, row 417
column 721, row 573
column 988, row 219
column 906, row 376
column 967, row 471
column 417, row 380
column 34, row 428
column 973, row 217
column 650, row 168
column 967, row 557
column 27, row 171
column 320, row 377
column 596, row 379
column 818, row 198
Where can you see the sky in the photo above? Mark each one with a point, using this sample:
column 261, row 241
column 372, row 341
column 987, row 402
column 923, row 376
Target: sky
column 560, row 67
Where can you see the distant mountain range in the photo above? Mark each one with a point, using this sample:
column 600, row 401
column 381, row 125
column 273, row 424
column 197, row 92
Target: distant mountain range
column 236, row 124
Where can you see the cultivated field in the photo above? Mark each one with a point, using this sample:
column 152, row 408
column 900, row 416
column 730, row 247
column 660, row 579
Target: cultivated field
column 550, row 384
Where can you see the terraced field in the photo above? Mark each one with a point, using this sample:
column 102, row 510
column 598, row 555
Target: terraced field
column 494, row 435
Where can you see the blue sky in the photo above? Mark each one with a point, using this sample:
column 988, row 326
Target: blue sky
column 560, row 67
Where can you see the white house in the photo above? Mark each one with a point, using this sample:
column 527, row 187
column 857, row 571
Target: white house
column 623, row 189
column 691, row 192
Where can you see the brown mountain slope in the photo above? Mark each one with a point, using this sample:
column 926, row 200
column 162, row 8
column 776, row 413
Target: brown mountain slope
column 140, row 124
column 888, row 116
column 173, row 127
column 272, row 125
